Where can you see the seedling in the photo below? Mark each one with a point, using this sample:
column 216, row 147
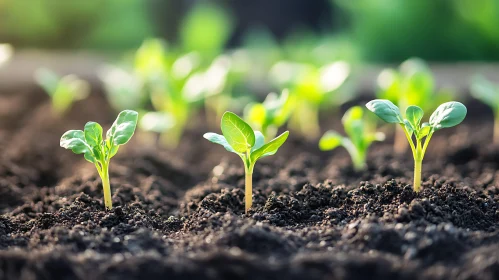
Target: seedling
column 411, row 84
column 63, row 91
column 99, row 151
column 448, row 114
column 488, row 93
column 239, row 138
column 268, row 116
column 360, row 137
column 314, row 88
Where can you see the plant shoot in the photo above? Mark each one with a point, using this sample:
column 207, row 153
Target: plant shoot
column 271, row 114
column 448, row 114
column 63, row 91
column 360, row 136
column 239, row 138
column 99, row 151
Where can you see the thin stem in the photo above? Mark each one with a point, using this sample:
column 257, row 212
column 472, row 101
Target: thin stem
column 400, row 145
column 417, row 174
column 248, row 191
column 427, row 140
column 106, row 186
column 409, row 138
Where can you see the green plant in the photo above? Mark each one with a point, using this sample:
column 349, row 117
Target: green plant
column 63, row 91
column 239, row 138
column 411, row 84
column 487, row 92
column 448, row 114
column 271, row 114
column 360, row 137
column 313, row 88
column 99, row 151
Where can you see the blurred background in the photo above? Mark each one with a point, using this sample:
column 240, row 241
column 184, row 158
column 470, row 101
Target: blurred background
column 366, row 30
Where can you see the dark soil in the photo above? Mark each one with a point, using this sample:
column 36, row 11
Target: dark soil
column 180, row 214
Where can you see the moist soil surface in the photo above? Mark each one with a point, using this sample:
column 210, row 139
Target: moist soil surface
column 180, row 214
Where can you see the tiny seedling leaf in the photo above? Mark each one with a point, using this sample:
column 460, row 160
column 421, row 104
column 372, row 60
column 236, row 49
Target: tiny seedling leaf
column 485, row 91
column 270, row 148
column 259, row 141
column 331, row 140
column 238, row 133
column 219, row 139
column 93, row 134
column 123, row 127
column 74, row 140
column 448, row 114
column 414, row 114
column 385, row 110
column 408, row 127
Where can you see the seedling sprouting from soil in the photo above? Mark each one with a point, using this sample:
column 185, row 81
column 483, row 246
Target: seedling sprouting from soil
column 63, row 91
column 448, row 114
column 238, row 137
column 268, row 116
column 360, row 136
column 488, row 93
column 99, row 151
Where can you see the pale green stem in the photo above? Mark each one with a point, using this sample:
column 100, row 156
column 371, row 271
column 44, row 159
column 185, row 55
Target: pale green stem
column 248, row 181
column 108, row 203
column 417, row 174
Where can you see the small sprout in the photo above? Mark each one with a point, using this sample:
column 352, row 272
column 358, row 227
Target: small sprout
column 412, row 83
column 359, row 137
column 99, row 151
column 238, row 137
column 488, row 93
column 63, row 91
column 448, row 114
column 270, row 115
column 313, row 88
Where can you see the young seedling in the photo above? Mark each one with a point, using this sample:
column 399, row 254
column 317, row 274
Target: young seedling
column 488, row 93
column 63, row 91
column 314, row 88
column 239, row 138
column 360, row 137
column 268, row 116
column 448, row 114
column 99, row 151
column 411, row 84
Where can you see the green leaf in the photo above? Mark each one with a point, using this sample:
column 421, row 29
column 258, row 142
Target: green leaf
column 414, row 114
column 385, row 110
column 270, row 148
column 485, row 91
column 74, row 140
column 424, row 131
column 219, row 139
column 259, row 141
column 448, row 114
column 123, row 127
column 90, row 157
column 238, row 133
column 330, row 140
column 408, row 127
column 93, row 134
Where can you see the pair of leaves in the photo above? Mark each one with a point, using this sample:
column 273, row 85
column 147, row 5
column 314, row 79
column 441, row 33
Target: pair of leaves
column 90, row 142
column 238, row 137
column 448, row 114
